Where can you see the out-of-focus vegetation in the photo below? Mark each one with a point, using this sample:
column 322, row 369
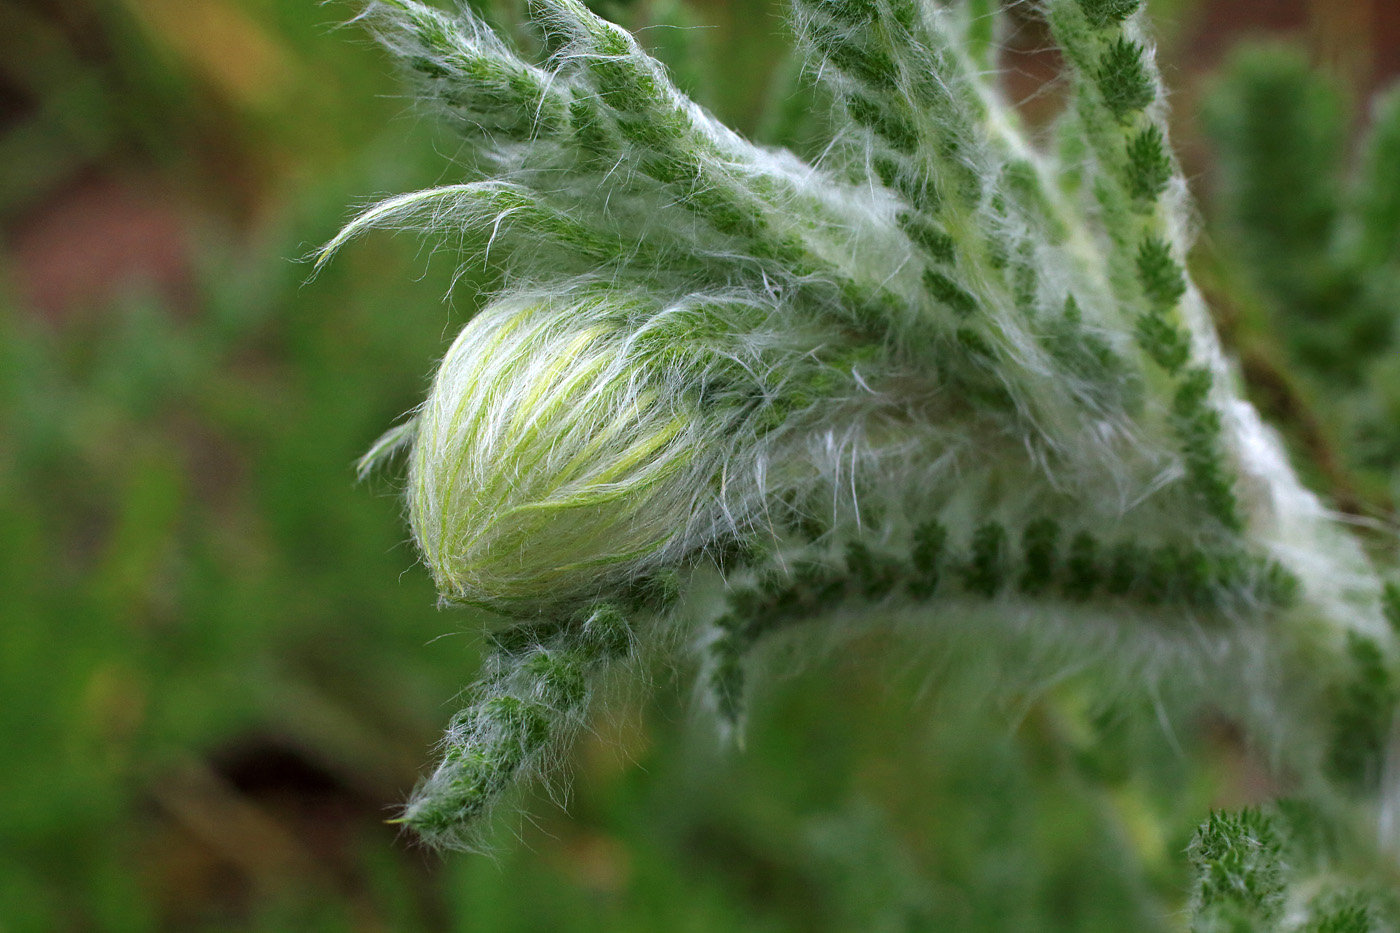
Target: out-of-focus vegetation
column 220, row 668
column 1317, row 272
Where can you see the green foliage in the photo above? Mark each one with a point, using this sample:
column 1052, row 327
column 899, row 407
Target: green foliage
column 940, row 246
column 1082, row 569
column 1279, row 126
column 950, row 293
column 1123, row 81
column 985, row 569
column 1168, row 345
column 930, row 544
column 1162, row 278
column 1248, row 862
column 1106, row 13
column 1240, row 881
column 1364, row 708
column 1038, row 544
column 1198, row 425
column 1314, row 235
column 1279, row 129
column 1149, row 165
column 186, row 586
column 1376, row 193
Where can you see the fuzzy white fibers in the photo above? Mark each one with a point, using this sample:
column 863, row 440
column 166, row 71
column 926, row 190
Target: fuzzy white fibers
column 573, row 441
column 545, row 458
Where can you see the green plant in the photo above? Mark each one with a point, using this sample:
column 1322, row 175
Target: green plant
column 944, row 377
column 1322, row 265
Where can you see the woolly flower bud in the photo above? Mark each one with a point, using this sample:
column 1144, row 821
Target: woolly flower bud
column 550, row 459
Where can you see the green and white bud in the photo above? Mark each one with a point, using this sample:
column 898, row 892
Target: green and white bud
column 548, row 460
column 572, row 443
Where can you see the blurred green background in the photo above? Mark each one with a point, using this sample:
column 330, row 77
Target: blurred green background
column 221, row 668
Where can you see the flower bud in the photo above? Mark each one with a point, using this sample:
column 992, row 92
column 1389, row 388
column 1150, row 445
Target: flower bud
column 550, row 459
